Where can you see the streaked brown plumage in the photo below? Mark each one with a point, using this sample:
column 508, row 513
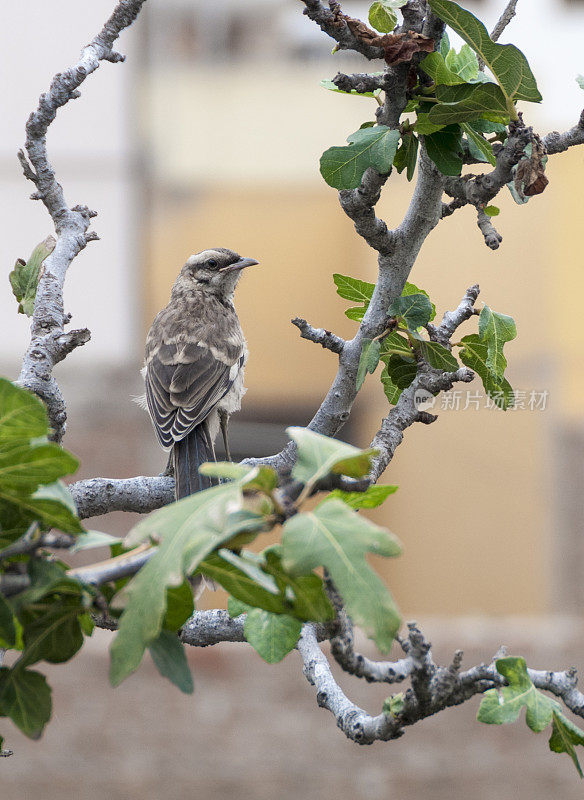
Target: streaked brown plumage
column 195, row 358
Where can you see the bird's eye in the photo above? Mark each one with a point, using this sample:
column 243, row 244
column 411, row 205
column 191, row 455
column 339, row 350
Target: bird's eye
column 212, row 263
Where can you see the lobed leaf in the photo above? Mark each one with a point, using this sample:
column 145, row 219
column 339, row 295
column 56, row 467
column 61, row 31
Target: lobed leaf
column 495, row 330
column 474, row 354
column 343, row 167
column 25, row 697
column 372, row 498
column 168, row 654
column 368, row 360
column 415, row 309
column 335, row 537
column 188, row 531
column 272, row 636
column 320, row 455
column 25, row 276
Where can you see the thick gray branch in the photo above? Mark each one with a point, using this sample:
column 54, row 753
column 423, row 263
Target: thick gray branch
column 556, row 142
column 142, row 494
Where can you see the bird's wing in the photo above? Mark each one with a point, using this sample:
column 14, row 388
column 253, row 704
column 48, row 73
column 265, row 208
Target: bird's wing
column 184, row 381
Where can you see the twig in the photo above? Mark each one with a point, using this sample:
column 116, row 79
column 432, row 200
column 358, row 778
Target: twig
column 319, row 336
column 492, row 237
column 504, row 20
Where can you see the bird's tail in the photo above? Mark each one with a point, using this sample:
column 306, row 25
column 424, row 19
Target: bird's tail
column 188, row 454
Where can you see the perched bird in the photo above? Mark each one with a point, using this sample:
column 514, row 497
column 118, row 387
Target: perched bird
column 194, row 364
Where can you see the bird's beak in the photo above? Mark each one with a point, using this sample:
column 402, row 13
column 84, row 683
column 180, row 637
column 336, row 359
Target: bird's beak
column 241, row 264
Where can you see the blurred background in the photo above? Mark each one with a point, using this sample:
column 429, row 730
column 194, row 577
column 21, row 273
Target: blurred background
column 210, row 135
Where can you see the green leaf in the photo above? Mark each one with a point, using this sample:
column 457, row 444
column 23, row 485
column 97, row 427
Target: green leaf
column 356, row 313
column 179, row 606
column 492, row 211
column 407, row 155
column 236, row 607
column 91, row 539
column 320, row 455
column 304, row 594
column 564, row 736
column 335, row 537
column 22, row 415
column 353, row 289
column 496, row 329
column 330, row 86
column 23, row 469
column 242, row 584
column 438, row 356
column 434, row 65
column 478, row 146
column 465, row 64
column 393, row 705
column 189, row 530
column 415, row 309
column 580, row 81
column 500, row 706
column 24, row 277
column 444, row 45
column 7, row 626
column 395, row 344
column 424, row 127
column 444, row 148
column 392, row 392
column 46, row 505
column 401, row 372
column 168, row 654
column 382, row 15
column 373, row 497
column 272, row 636
column 369, row 359
column 343, row 167
column 474, row 354
column 263, row 479
column 51, row 630
column 474, row 101
column 25, row 697
column 411, row 288
column 506, row 62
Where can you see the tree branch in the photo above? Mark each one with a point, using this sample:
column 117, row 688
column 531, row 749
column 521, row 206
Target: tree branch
column 504, row 20
column 492, row 237
column 319, row 336
column 335, row 26
column 49, row 344
column 556, row 142
column 142, row 494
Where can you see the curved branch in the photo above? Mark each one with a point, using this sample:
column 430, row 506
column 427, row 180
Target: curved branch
column 49, row 344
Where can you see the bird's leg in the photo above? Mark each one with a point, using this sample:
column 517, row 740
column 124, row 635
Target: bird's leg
column 169, row 469
column 224, row 421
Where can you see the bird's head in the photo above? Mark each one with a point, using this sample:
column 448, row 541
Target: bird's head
column 217, row 270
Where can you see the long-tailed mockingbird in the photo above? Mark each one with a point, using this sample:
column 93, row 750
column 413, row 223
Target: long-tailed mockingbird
column 195, row 357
